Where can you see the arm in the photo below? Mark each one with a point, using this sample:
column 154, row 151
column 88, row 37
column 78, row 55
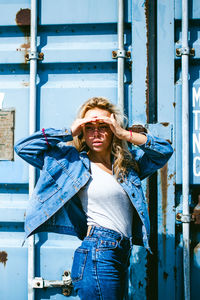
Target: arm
column 152, row 155
column 33, row 148
column 152, row 152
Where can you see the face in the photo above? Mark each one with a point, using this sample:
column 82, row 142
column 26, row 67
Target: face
column 98, row 135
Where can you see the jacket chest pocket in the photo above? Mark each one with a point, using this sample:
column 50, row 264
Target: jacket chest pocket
column 46, row 187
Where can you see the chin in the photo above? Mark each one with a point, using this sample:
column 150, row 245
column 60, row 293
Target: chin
column 96, row 149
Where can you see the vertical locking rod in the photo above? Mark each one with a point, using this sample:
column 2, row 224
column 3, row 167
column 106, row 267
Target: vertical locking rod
column 185, row 151
column 120, row 59
column 32, row 129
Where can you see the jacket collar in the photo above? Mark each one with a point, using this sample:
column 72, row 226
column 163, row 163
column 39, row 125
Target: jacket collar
column 85, row 159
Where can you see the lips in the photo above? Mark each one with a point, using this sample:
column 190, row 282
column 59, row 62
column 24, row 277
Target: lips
column 97, row 143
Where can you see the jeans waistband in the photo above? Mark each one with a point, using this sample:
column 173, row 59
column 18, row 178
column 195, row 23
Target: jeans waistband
column 102, row 231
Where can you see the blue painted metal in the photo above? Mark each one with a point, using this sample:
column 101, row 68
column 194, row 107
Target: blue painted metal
column 77, row 39
column 194, row 106
column 166, row 176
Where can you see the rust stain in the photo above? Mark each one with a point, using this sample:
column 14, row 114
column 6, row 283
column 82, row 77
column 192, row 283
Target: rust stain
column 23, row 17
column 165, row 123
column 26, row 46
column 23, row 20
column 147, row 68
column 25, row 84
column 3, row 257
column 169, row 141
column 164, row 186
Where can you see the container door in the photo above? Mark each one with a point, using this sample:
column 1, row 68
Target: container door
column 194, row 116
column 76, row 40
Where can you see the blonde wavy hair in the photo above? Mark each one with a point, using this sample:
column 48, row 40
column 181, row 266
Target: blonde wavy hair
column 122, row 157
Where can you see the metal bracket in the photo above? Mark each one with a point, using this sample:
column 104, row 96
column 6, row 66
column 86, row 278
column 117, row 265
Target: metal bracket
column 65, row 283
column 34, row 55
column 121, row 53
column 185, row 51
column 183, row 218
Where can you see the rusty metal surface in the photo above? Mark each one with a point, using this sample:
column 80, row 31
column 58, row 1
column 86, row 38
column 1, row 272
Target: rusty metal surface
column 23, row 19
column 164, row 187
column 196, row 213
column 3, row 257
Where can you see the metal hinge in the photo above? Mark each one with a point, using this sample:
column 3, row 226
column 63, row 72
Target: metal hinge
column 121, row 53
column 185, row 51
column 183, row 218
column 34, row 55
column 193, row 217
column 65, row 283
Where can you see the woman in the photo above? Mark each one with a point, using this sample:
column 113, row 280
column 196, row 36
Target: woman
column 91, row 187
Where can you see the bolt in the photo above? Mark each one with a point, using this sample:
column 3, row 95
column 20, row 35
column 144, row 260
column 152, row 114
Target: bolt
column 114, row 54
column 41, row 55
column 38, row 283
column 66, row 273
column 66, row 292
column 178, row 216
column 192, row 51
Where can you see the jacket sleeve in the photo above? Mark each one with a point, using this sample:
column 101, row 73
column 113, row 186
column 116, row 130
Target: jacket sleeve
column 152, row 155
column 32, row 149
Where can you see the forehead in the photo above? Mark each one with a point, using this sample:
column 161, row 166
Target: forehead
column 97, row 112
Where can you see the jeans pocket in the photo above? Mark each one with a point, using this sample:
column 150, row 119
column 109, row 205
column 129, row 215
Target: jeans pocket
column 79, row 262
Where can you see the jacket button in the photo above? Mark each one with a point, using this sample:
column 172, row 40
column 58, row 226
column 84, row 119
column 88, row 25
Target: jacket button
column 133, row 195
column 142, row 213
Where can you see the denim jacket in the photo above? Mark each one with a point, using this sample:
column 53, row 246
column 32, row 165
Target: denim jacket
column 54, row 205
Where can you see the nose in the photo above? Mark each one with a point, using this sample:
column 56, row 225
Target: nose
column 95, row 131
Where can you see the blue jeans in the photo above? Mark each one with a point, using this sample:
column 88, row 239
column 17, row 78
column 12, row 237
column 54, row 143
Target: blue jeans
column 100, row 265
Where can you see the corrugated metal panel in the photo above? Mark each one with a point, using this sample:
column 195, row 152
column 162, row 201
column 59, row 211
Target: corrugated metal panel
column 194, row 106
column 77, row 39
column 166, row 188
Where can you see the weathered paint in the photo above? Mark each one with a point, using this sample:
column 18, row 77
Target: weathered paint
column 76, row 51
column 164, row 188
column 23, row 18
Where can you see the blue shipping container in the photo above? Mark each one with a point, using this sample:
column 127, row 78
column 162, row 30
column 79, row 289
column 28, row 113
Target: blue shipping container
column 77, row 43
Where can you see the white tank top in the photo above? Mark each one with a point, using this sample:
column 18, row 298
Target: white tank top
column 105, row 202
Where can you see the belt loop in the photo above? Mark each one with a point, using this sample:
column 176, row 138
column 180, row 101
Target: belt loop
column 90, row 230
